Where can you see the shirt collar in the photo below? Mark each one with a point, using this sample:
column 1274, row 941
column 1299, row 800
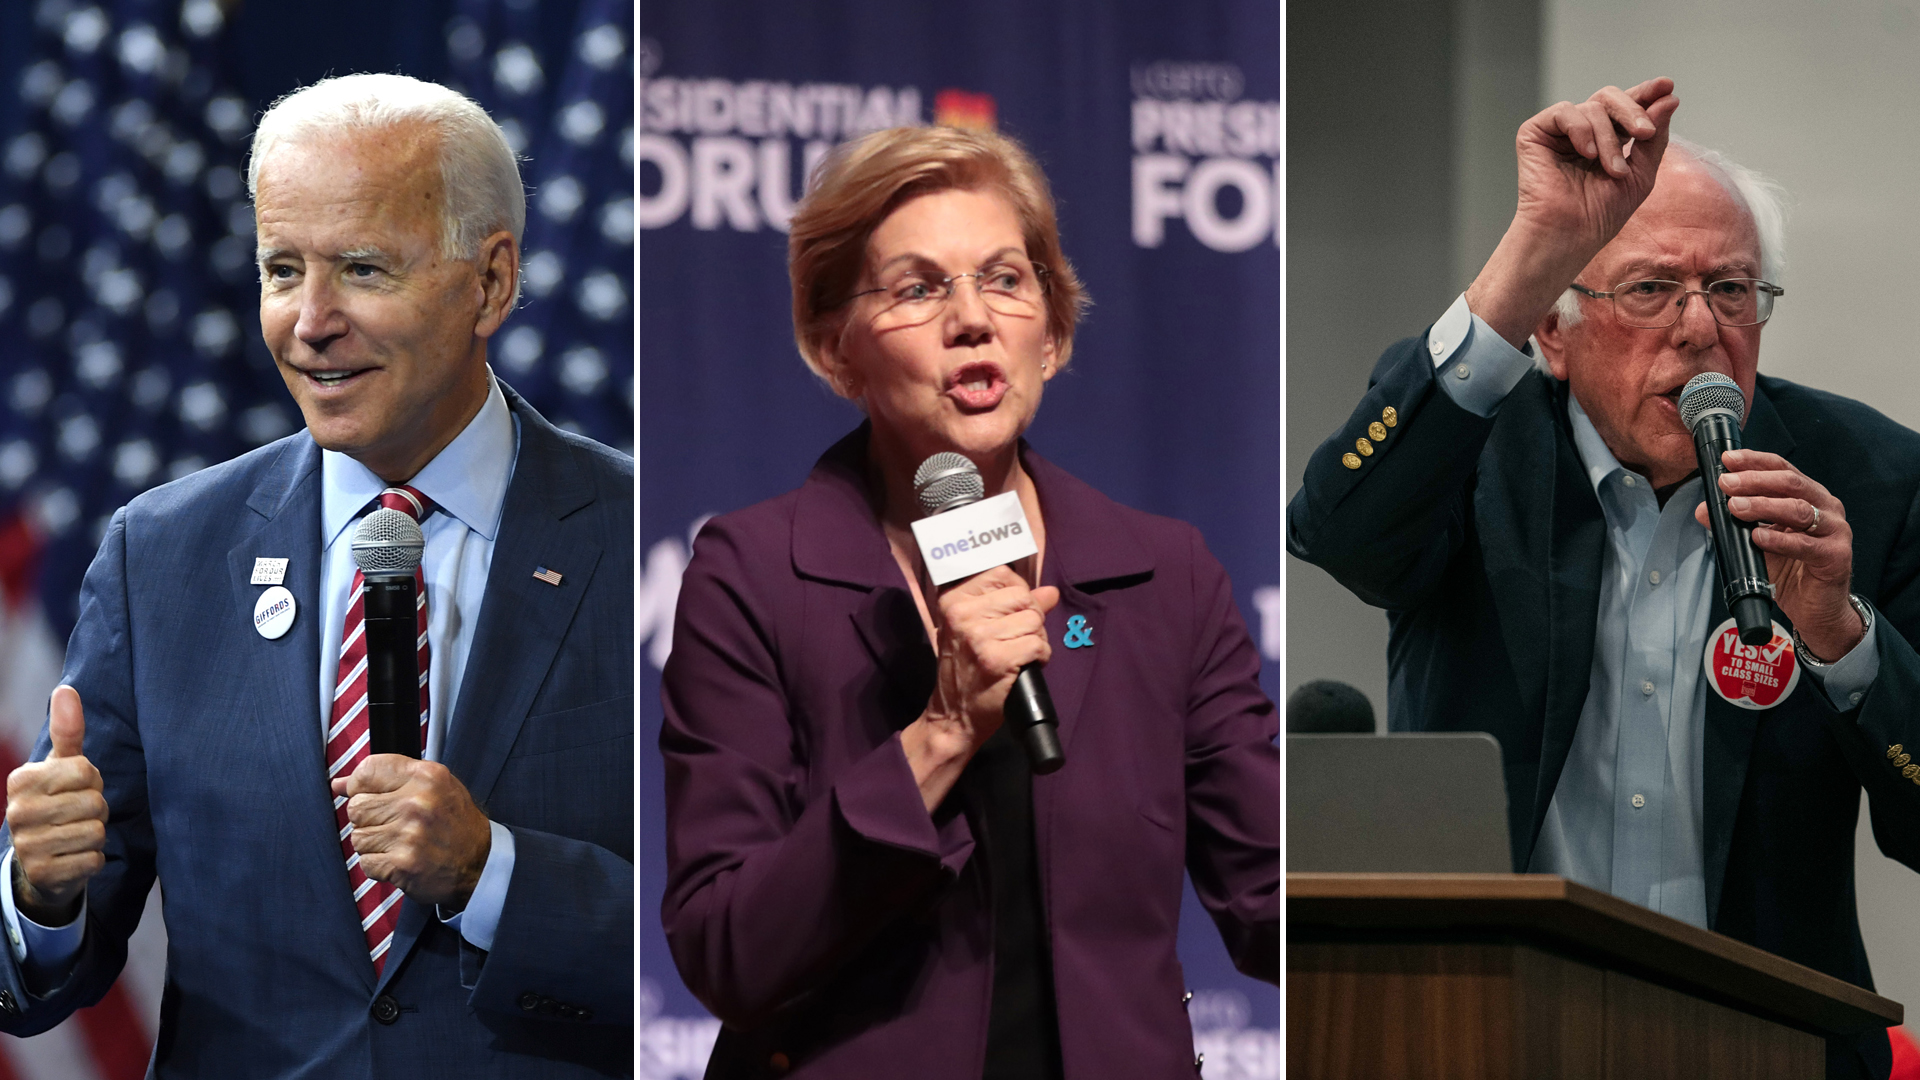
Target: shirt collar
column 1594, row 455
column 1600, row 462
column 467, row 480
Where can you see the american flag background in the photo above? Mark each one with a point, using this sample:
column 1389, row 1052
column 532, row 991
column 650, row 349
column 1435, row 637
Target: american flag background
column 130, row 350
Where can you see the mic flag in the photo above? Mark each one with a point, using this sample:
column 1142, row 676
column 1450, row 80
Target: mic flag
column 979, row 536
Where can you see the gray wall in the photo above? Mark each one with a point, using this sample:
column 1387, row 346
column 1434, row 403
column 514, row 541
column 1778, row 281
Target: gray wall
column 1400, row 180
column 1825, row 98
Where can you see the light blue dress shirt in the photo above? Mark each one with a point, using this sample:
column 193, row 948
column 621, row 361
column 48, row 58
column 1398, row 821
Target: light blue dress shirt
column 1626, row 814
column 467, row 482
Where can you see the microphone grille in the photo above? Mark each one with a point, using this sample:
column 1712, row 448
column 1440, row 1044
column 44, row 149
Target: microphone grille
column 947, row 481
column 1708, row 392
column 388, row 542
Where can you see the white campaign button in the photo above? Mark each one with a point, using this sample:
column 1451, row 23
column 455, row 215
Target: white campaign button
column 273, row 612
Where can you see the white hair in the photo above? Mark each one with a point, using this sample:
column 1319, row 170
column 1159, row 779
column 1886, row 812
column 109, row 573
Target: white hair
column 1765, row 201
column 479, row 174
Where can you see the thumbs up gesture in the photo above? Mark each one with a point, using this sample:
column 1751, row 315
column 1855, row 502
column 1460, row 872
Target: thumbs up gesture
column 58, row 817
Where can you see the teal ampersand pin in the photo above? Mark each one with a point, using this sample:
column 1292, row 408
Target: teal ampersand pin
column 1079, row 635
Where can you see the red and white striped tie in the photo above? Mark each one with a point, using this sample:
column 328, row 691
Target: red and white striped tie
column 378, row 901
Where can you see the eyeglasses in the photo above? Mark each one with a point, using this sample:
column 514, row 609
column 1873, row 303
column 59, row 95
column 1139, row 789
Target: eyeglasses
column 1011, row 287
column 1654, row 304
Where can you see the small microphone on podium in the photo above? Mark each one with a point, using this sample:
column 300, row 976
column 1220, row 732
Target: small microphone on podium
column 947, row 482
column 387, row 547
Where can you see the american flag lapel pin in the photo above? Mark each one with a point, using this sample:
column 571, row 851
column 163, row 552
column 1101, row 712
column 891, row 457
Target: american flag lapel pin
column 551, row 577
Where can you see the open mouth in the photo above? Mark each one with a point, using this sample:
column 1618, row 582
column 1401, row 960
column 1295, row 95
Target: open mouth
column 978, row 385
column 1672, row 393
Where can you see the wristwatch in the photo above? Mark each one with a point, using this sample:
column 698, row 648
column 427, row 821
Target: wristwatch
column 1866, row 623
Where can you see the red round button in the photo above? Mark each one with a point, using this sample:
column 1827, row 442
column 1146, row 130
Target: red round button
column 1751, row 676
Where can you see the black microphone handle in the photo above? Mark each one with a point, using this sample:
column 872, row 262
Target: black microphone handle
column 1743, row 568
column 393, row 664
column 1030, row 710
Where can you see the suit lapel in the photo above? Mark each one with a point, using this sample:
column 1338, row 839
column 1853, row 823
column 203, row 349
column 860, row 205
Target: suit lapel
column 1511, row 511
column 1071, row 669
column 1089, row 550
column 1728, row 740
column 1542, row 537
column 836, row 538
column 888, row 624
column 522, row 620
column 287, row 503
column 1727, row 743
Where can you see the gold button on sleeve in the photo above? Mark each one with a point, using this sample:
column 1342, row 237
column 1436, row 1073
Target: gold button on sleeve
column 1351, row 461
column 1901, row 761
column 1910, row 771
column 1894, row 751
column 1365, row 447
column 1389, row 416
column 1377, row 431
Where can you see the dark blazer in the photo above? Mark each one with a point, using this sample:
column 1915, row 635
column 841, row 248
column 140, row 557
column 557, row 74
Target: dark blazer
column 209, row 739
column 1483, row 540
column 813, row 904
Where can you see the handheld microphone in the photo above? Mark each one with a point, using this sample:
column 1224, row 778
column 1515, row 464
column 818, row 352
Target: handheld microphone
column 948, row 481
column 387, row 547
column 1712, row 408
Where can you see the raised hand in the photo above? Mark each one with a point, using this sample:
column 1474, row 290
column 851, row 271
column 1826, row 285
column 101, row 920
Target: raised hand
column 58, row 816
column 1584, row 169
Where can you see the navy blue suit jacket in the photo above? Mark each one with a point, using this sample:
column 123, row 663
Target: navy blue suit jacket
column 1483, row 539
column 208, row 738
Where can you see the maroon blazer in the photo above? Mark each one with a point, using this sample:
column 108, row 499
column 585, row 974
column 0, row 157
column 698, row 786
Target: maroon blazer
column 840, row 931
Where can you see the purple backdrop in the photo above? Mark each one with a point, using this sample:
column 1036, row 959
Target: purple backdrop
column 1159, row 126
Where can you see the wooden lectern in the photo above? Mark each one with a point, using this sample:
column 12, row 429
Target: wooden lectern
column 1532, row 975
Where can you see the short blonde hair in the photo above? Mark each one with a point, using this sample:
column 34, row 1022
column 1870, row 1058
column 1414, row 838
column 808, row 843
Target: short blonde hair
column 865, row 180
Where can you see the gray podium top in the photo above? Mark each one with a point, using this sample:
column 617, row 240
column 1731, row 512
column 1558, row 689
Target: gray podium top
column 1401, row 803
